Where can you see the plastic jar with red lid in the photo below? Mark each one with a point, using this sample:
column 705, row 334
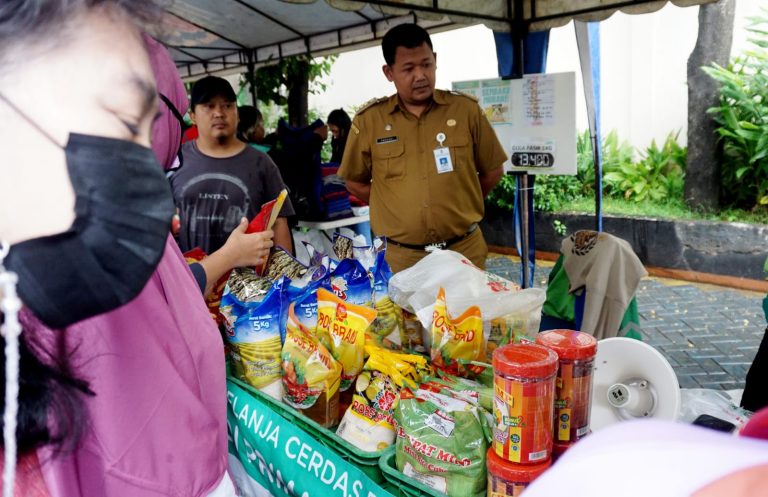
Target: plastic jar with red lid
column 573, row 387
column 523, row 401
column 507, row 479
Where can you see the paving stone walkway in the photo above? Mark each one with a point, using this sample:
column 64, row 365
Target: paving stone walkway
column 708, row 334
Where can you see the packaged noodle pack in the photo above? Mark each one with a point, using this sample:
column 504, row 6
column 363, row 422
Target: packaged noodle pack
column 346, row 325
column 442, row 442
column 454, row 339
column 253, row 338
column 311, row 375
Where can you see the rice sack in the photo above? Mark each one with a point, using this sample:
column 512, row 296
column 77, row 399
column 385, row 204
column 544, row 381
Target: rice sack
column 350, row 282
column 253, row 338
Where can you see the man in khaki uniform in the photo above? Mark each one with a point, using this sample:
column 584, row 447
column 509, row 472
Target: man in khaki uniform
column 423, row 158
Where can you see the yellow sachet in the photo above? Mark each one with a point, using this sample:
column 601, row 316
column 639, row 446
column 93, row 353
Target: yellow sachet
column 346, row 325
column 404, row 369
column 454, row 339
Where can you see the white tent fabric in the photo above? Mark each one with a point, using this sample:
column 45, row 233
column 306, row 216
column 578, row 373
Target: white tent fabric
column 220, row 36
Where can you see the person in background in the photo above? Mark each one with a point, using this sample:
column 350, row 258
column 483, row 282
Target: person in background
column 338, row 124
column 423, row 159
column 241, row 248
column 122, row 389
column 223, row 180
column 250, row 128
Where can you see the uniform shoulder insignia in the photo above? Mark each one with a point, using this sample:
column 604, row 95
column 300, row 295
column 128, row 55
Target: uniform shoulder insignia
column 462, row 94
column 370, row 103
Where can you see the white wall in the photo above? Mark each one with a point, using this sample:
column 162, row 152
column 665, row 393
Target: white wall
column 643, row 62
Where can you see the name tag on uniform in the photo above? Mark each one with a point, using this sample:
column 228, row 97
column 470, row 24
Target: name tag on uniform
column 443, row 160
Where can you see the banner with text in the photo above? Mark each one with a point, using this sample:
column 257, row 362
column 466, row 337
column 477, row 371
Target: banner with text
column 270, row 456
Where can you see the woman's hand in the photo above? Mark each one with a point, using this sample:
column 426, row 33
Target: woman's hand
column 247, row 249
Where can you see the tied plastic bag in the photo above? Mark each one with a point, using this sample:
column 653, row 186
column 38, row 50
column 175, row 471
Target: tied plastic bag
column 465, row 284
column 698, row 401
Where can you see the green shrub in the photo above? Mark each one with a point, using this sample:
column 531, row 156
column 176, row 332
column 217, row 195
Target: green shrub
column 552, row 191
column 657, row 176
column 616, row 155
column 742, row 119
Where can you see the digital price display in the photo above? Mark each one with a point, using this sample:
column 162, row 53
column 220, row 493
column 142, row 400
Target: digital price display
column 533, row 159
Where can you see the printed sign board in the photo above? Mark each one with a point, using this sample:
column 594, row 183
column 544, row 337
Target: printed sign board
column 534, row 118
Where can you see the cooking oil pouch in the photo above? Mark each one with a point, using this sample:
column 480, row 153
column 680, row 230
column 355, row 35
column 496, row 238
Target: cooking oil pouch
column 441, row 442
column 454, row 339
column 368, row 423
column 346, row 325
column 350, row 282
column 310, row 374
column 389, row 318
column 254, row 339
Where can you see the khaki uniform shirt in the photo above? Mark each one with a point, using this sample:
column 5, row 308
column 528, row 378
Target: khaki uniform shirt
column 394, row 150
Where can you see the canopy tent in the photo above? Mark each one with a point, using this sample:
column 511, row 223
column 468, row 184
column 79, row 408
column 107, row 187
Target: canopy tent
column 231, row 35
column 207, row 36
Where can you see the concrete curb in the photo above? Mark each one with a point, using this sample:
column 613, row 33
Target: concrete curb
column 735, row 250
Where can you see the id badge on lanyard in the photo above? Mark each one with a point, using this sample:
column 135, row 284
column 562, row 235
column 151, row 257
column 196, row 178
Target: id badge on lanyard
column 443, row 161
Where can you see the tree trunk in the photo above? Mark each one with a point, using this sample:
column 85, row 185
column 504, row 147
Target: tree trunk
column 298, row 96
column 713, row 44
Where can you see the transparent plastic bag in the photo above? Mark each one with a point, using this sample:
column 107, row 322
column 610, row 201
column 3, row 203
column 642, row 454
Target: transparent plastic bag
column 415, row 290
column 698, row 401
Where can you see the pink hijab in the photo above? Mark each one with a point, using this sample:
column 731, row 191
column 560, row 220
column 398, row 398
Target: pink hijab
column 166, row 133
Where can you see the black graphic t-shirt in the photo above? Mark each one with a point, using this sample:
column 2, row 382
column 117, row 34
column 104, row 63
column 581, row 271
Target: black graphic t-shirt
column 213, row 194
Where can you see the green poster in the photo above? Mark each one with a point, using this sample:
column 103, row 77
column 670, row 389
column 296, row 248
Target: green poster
column 269, row 455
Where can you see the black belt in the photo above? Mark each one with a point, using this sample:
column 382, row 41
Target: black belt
column 437, row 245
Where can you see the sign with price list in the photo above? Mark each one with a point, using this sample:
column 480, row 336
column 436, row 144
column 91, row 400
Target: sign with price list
column 534, row 118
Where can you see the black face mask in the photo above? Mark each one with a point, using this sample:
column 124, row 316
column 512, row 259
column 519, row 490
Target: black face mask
column 123, row 211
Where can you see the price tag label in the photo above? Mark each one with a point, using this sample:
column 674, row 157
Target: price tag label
column 536, row 153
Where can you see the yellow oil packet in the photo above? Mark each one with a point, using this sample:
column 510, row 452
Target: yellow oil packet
column 454, row 339
column 346, row 325
column 310, row 374
column 404, row 369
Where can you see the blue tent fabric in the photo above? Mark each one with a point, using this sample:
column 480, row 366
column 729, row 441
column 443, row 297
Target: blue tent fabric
column 588, row 41
column 535, row 46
